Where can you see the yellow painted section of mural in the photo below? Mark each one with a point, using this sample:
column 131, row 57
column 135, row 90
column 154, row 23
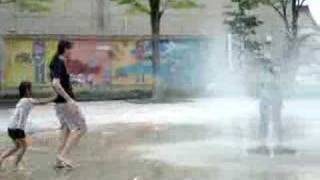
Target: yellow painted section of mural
column 51, row 46
column 50, row 50
column 123, row 59
column 18, row 64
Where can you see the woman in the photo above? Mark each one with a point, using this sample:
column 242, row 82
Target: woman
column 73, row 124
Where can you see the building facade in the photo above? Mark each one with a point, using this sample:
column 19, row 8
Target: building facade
column 31, row 38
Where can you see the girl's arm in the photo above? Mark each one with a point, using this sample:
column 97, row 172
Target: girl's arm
column 43, row 101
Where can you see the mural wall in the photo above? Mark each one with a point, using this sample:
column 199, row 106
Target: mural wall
column 18, row 63
column 101, row 63
column 90, row 63
column 26, row 59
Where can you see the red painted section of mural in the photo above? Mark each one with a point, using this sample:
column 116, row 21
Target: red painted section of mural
column 90, row 62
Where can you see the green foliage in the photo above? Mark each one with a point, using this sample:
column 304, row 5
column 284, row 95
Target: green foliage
column 184, row 4
column 135, row 6
column 247, row 4
column 35, row 5
column 144, row 6
column 243, row 25
column 30, row 5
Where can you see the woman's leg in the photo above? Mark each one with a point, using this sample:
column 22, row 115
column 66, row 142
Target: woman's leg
column 64, row 135
column 76, row 124
column 72, row 141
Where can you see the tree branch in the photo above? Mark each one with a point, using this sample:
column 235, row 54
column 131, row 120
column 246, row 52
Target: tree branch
column 282, row 13
column 284, row 5
column 305, row 37
column 287, row 2
column 141, row 7
column 301, row 4
column 276, row 9
column 165, row 7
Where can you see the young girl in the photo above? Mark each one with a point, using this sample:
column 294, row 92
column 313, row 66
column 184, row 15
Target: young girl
column 16, row 129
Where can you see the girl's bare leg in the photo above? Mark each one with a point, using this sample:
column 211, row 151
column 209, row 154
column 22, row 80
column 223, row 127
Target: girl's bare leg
column 9, row 152
column 23, row 145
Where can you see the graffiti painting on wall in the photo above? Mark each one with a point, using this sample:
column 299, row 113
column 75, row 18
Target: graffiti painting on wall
column 39, row 61
column 129, row 65
column 92, row 64
column 180, row 61
column 18, row 64
column 26, row 60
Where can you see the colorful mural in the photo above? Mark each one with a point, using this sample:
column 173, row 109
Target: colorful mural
column 27, row 59
column 38, row 57
column 103, row 62
column 180, row 62
column 90, row 63
column 129, row 65
column 18, row 64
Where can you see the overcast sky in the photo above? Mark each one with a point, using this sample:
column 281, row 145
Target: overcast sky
column 314, row 6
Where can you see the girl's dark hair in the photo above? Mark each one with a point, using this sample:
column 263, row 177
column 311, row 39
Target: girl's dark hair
column 24, row 88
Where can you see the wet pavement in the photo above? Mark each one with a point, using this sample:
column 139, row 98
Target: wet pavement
column 193, row 140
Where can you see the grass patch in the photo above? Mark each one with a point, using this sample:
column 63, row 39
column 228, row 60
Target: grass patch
column 114, row 92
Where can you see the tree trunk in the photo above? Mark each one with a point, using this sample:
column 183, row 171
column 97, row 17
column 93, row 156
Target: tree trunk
column 100, row 15
column 292, row 52
column 155, row 17
column 156, row 91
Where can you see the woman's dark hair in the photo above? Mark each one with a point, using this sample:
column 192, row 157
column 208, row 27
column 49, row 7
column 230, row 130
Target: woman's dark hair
column 25, row 88
column 61, row 48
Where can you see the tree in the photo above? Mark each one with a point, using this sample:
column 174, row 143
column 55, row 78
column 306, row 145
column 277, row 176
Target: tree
column 272, row 89
column 243, row 28
column 155, row 9
column 289, row 13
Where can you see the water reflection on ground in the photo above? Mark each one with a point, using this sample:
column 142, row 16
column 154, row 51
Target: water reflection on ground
column 143, row 151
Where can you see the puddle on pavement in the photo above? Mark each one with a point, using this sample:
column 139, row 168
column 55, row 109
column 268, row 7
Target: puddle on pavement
column 109, row 152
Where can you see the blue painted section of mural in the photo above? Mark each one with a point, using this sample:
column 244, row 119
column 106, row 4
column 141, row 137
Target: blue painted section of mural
column 180, row 62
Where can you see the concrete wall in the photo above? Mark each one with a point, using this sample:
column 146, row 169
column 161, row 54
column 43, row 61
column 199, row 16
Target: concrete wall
column 82, row 17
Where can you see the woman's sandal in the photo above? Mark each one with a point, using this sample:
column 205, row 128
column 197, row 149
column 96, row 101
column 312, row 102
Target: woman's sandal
column 62, row 163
